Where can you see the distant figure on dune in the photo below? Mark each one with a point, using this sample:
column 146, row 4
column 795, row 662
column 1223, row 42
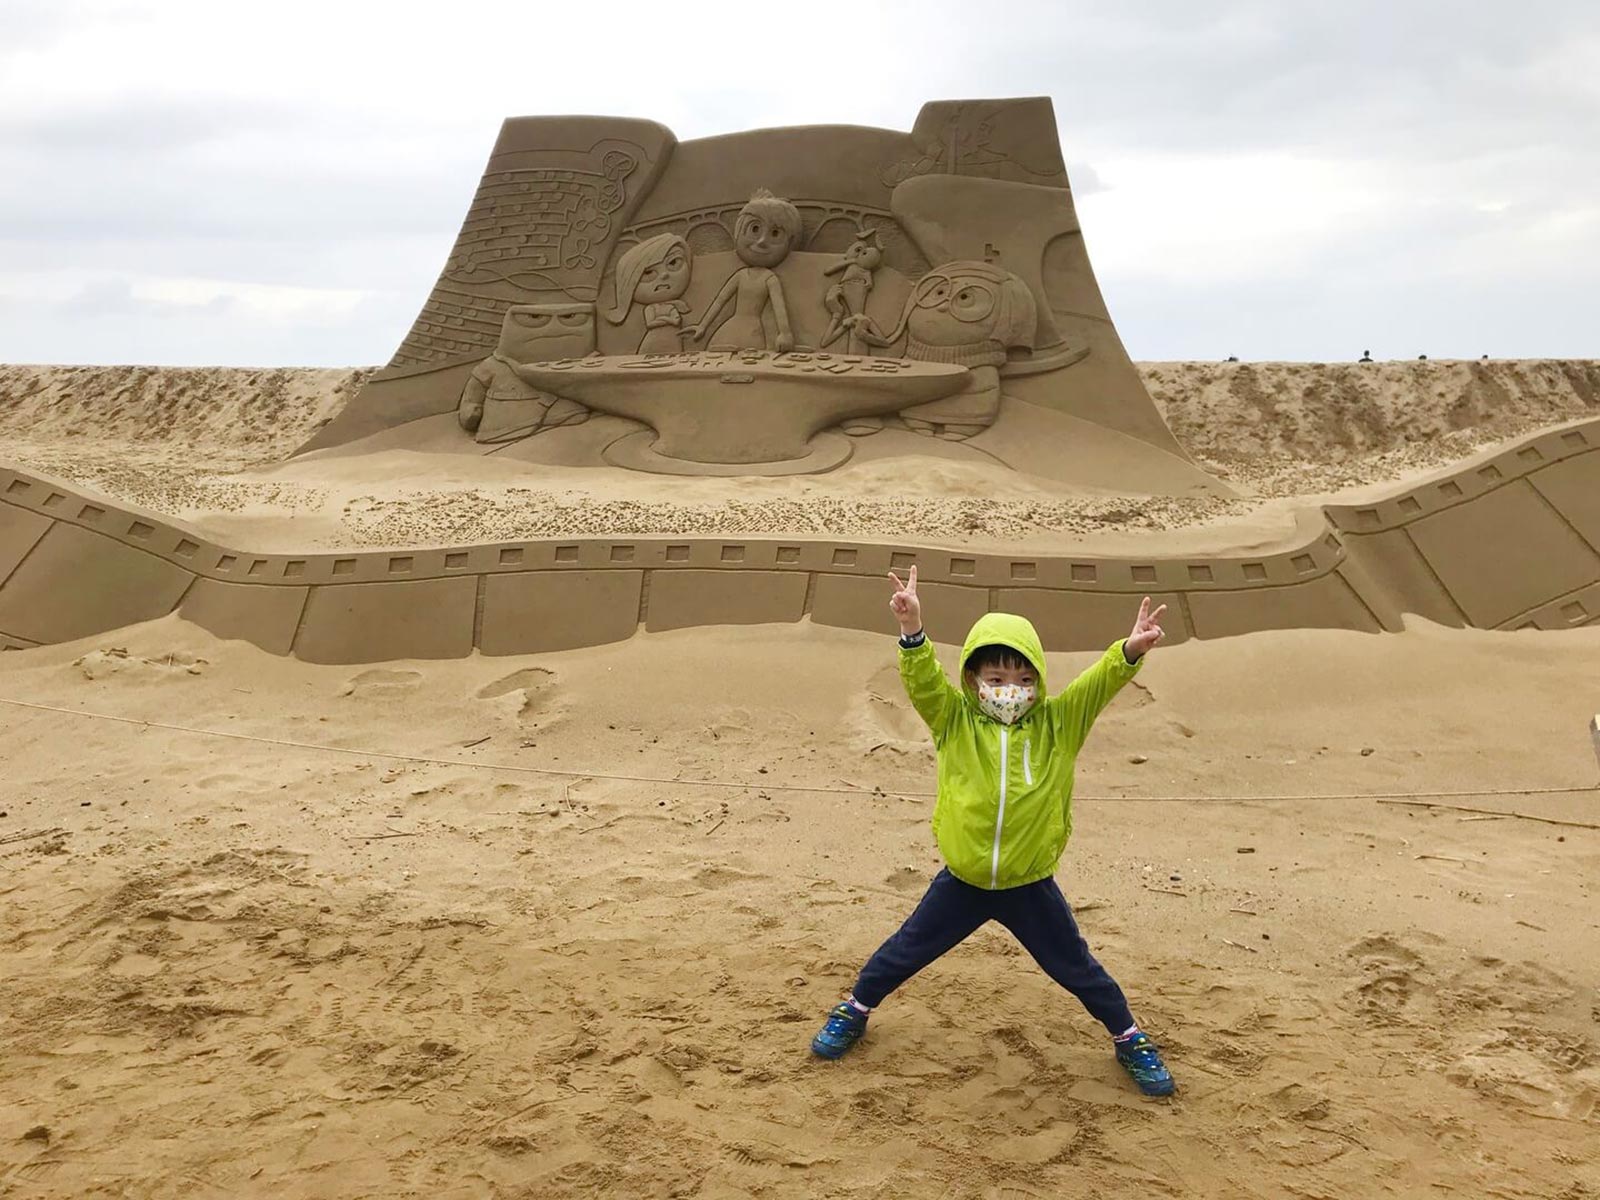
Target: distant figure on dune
column 1006, row 753
column 1366, row 356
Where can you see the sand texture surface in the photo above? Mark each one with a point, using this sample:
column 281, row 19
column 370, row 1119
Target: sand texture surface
column 584, row 956
column 206, row 446
column 239, row 967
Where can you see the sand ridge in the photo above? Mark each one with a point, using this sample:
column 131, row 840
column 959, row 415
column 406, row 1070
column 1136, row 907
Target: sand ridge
column 206, row 446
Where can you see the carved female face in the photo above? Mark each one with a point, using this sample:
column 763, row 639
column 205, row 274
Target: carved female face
column 760, row 242
column 666, row 280
column 953, row 309
column 546, row 332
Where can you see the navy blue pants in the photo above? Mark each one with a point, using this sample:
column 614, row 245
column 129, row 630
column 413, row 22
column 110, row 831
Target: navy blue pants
column 1037, row 915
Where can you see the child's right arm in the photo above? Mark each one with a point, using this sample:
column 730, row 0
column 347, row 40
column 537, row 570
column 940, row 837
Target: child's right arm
column 931, row 693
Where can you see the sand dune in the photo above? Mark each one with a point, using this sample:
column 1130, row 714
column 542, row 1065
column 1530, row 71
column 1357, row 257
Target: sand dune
column 206, row 446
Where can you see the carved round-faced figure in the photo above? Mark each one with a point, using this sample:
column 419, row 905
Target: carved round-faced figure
column 963, row 303
column 546, row 332
column 767, row 229
column 952, row 308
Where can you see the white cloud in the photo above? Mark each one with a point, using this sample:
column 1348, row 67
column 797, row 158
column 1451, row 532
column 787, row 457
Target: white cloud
column 1254, row 177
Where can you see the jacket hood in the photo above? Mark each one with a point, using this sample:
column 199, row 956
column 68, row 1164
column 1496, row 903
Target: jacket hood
column 1005, row 629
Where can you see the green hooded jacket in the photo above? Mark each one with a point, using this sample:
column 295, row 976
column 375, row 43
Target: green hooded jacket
column 1004, row 810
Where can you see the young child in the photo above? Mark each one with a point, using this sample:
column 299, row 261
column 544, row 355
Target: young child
column 1006, row 751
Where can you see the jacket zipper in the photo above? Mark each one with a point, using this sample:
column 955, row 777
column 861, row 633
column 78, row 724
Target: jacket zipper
column 1000, row 817
column 1027, row 761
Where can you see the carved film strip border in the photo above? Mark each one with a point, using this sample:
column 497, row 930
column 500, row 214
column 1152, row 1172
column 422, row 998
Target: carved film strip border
column 1320, row 553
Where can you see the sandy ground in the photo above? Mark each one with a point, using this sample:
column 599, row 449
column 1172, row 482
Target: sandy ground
column 205, row 446
column 240, row 968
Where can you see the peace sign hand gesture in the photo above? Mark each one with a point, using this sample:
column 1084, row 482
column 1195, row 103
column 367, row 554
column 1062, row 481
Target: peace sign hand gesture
column 904, row 604
column 1146, row 631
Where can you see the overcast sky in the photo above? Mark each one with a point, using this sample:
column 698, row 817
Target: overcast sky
column 187, row 181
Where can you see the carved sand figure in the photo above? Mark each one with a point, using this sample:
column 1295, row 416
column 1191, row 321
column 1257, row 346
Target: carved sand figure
column 767, row 229
column 497, row 403
column 970, row 313
column 848, row 297
column 655, row 274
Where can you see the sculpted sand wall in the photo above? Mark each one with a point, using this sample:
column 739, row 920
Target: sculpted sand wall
column 1508, row 541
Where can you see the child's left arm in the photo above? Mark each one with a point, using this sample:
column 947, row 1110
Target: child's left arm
column 1086, row 696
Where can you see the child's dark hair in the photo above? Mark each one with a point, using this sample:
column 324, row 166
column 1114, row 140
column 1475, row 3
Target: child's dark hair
column 995, row 655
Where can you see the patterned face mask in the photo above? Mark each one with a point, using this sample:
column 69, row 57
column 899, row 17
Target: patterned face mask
column 1006, row 702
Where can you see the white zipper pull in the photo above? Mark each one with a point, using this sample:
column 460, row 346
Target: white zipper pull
column 1000, row 816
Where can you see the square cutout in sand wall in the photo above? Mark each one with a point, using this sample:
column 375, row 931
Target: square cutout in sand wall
column 680, row 599
column 370, row 622
column 20, row 531
column 265, row 616
column 558, row 610
column 75, row 583
column 1505, row 553
column 862, row 602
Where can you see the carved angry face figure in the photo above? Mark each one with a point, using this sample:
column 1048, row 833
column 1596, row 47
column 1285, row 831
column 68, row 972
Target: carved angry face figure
column 666, row 280
column 962, row 303
column 546, row 332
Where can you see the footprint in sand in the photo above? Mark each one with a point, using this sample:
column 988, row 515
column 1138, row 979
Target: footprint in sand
column 886, row 714
column 535, row 685
column 101, row 664
column 380, row 682
column 1390, row 969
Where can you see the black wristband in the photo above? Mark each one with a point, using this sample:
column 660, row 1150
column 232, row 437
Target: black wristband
column 910, row 641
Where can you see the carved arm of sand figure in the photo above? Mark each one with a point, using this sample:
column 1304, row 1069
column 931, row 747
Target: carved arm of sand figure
column 780, row 313
column 867, row 330
column 469, row 411
column 707, row 324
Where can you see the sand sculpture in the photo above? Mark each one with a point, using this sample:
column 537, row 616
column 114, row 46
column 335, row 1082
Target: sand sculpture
column 933, row 282
column 781, row 302
column 1509, row 540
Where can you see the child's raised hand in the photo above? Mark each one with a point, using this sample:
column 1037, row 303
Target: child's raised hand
column 1146, row 630
column 904, row 604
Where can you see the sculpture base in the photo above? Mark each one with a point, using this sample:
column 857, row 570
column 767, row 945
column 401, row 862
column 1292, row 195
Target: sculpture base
column 636, row 452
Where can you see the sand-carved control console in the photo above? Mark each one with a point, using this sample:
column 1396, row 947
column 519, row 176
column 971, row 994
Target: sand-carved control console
column 927, row 283
column 742, row 408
